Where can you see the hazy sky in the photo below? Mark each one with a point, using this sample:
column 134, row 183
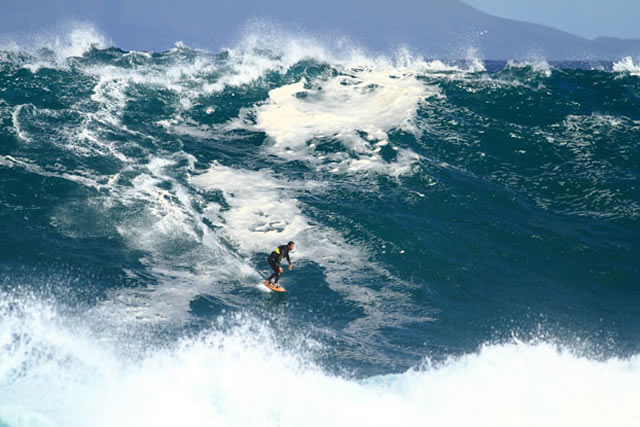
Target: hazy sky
column 586, row 18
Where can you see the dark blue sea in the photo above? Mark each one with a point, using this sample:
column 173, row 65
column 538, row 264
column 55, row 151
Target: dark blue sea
column 467, row 238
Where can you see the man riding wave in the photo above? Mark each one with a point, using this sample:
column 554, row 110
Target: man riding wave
column 274, row 261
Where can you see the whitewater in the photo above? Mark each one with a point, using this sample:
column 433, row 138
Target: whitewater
column 466, row 237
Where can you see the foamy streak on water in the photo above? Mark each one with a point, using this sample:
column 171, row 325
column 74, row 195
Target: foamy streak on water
column 15, row 117
column 165, row 216
column 80, row 177
column 179, row 247
column 54, row 371
column 627, row 65
column 163, row 222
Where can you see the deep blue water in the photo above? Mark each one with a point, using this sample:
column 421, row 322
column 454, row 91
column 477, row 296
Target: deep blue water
column 467, row 239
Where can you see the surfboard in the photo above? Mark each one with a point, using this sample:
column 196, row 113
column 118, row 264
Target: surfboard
column 273, row 288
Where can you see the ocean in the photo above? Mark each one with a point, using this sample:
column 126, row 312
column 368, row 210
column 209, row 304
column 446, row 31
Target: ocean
column 467, row 237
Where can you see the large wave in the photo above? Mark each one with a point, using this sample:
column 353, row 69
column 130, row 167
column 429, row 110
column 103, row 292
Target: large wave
column 438, row 209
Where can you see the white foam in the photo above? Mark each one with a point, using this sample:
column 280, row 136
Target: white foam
column 627, row 65
column 367, row 100
column 59, row 371
column 261, row 214
column 538, row 65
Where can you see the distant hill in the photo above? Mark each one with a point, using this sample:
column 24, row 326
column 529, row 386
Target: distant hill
column 436, row 28
column 448, row 28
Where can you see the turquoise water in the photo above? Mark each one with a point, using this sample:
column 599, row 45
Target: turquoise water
column 466, row 238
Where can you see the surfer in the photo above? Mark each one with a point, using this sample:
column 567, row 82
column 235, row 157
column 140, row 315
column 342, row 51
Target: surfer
column 274, row 261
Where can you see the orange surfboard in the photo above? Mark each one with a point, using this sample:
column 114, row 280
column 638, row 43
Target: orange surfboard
column 273, row 288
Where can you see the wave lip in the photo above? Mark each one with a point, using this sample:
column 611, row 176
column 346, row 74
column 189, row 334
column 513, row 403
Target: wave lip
column 54, row 49
column 627, row 65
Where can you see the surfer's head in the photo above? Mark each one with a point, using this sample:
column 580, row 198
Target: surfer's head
column 291, row 245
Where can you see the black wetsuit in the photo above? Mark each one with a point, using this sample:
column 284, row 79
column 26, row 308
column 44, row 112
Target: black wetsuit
column 274, row 260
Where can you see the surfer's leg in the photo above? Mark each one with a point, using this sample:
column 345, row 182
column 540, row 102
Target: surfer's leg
column 276, row 269
column 276, row 274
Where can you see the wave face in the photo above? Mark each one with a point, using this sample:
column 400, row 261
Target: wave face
column 466, row 237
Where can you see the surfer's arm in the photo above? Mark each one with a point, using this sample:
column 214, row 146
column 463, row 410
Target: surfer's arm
column 289, row 261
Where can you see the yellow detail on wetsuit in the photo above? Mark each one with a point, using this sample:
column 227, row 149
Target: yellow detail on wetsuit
column 277, row 250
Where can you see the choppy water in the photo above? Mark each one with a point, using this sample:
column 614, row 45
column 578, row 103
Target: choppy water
column 466, row 238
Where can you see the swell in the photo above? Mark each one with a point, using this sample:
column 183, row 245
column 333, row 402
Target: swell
column 443, row 204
